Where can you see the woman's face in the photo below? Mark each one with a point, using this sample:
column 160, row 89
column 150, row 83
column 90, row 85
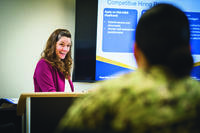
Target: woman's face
column 63, row 46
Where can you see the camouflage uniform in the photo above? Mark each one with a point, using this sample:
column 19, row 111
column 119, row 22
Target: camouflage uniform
column 138, row 102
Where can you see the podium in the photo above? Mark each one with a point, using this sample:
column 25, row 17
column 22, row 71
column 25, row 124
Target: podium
column 42, row 111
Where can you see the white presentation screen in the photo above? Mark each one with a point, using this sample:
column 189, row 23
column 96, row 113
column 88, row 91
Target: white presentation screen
column 116, row 25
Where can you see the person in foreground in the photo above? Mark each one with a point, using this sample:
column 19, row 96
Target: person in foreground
column 55, row 63
column 158, row 97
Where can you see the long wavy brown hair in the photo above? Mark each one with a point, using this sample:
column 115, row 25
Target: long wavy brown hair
column 49, row 53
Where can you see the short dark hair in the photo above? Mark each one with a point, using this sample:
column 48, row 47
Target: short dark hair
column 163, row 35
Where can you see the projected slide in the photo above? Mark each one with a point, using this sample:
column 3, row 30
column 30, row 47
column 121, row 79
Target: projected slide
column 116, row 25
column 194, row 19
column 118, row 28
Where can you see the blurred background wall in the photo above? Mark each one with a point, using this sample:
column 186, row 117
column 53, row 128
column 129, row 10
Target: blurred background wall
column 25, row 26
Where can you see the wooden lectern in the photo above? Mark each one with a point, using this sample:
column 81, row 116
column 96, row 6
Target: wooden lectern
column 42, row 111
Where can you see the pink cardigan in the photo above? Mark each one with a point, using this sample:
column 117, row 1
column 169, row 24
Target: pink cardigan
column 48, row 79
